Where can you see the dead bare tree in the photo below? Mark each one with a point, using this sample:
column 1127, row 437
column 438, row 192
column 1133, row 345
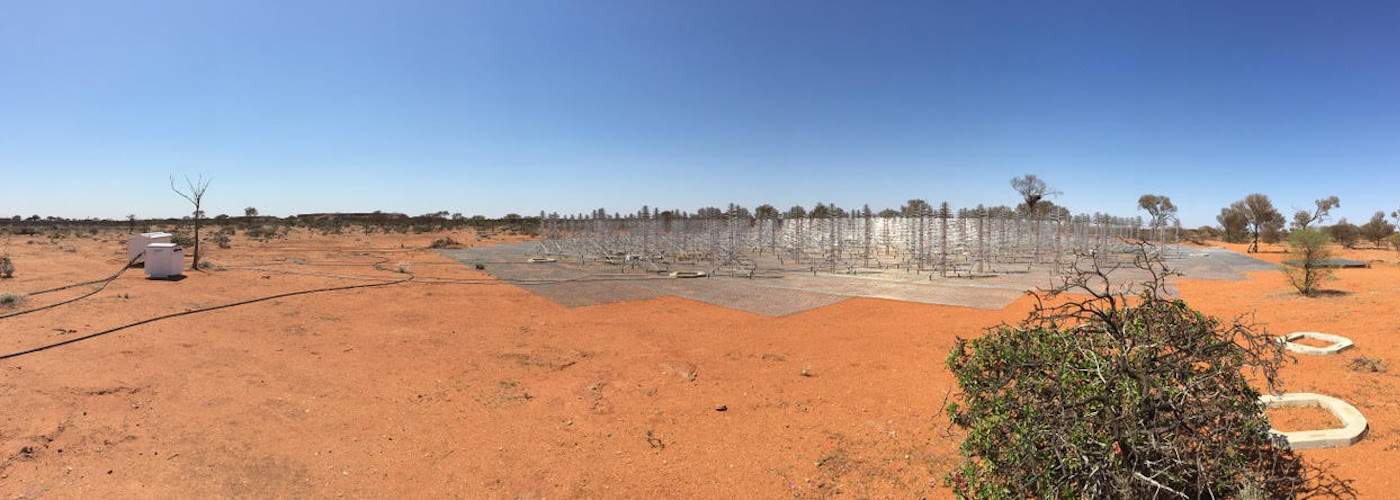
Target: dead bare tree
column 195, row 195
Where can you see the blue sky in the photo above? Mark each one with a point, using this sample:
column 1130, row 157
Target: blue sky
column 522, row 106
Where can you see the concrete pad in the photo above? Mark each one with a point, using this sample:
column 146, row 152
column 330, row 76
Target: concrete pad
column 776, row 289
column 1339, row 343
column 1353, row 424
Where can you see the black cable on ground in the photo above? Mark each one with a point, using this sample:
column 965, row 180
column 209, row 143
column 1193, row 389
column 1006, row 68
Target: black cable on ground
column 105, row 281
column 119, row 272
column 195, row 311
column 298, row 273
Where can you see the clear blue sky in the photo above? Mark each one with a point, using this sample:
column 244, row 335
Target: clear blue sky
column 522, row 106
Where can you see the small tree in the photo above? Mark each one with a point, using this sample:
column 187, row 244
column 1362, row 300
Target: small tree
column 1261, row 216
column 1346, row 233
column 250, row 212
column 1033, row 191
column 1123, row 397
column 195, row 195
column 1311, row 247
column 1377, row 229
column 1161, row 210
column 1233, row 225
column 916, row 208
column 1303, row 218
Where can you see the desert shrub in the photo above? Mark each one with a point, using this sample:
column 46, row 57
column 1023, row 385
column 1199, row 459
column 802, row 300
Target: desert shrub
column 1368, row 365
column 1395, row 241
column 182, row 240
column 228, row 229
column 7, row 267
column 264, row 232
column 480, row 267
column 447, row 242
column 1121, row 396
column 12, row 300
column 1203, row 233
column 1311, row 246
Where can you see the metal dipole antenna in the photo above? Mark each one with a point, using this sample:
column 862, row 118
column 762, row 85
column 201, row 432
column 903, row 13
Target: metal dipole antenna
column 943, row 214
column 981, row 240
column 865, row 214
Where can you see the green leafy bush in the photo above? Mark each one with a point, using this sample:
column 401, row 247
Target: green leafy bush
column 182, row 240
column 1121, row 396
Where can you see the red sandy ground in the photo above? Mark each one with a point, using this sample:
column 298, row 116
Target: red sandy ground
column 1302, row 418
column 472, row 390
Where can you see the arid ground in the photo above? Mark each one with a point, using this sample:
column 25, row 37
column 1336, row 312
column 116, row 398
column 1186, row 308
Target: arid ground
column 454, row 385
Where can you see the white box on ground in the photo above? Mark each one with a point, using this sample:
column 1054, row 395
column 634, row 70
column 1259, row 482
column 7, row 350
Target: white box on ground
column 137, row 242
column 164, row 260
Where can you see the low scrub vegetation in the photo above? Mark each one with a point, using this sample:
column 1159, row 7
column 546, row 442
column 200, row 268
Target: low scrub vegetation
column 446, row 242
column 1368, row 365
column 182, row 240
column 1312, row 248
column 12, row 300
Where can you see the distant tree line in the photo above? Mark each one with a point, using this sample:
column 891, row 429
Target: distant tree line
column 1254, row 220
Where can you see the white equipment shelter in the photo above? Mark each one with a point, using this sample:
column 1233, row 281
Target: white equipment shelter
column 137, row 242
column 164, row 260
